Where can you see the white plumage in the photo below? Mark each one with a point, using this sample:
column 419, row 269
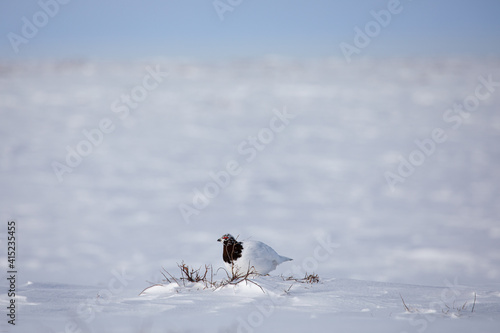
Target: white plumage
column 249, row 255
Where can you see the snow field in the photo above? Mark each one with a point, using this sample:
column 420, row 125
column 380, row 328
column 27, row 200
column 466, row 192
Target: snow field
column 322, row 178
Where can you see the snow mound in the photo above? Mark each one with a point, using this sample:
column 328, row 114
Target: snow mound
column 254, row 286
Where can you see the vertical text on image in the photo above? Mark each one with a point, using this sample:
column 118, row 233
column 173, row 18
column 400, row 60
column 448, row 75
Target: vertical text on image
column 11, row 271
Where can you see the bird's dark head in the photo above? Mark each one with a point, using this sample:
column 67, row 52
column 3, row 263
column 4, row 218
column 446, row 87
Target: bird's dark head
column 227, row 238
column 231, row 248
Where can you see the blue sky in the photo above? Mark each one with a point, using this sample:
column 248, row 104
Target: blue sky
column 298, row 28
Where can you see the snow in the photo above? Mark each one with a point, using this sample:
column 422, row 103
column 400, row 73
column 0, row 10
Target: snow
column 275, row 302
column 311, row 185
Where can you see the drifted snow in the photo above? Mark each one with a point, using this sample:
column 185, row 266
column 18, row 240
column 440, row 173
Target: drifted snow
column 269, row 302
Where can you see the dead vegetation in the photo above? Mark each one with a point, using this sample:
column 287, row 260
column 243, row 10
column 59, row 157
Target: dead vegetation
column 308, row 278
column 204, row 277
column 453, row 311
column 237, row 277
column 190, row 274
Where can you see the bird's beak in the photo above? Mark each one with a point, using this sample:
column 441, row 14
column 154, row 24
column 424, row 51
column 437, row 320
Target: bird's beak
column 219, row 240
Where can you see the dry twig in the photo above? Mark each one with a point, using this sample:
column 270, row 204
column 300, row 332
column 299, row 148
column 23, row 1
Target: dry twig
column 406, row 306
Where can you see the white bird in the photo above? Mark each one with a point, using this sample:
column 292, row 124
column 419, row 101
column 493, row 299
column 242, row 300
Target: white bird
column 249, row 256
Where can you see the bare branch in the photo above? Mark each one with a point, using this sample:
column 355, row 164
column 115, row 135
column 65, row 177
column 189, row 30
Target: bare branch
column 406, row 306
column 474, row 305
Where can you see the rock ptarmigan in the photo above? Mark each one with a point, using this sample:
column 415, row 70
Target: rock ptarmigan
column 249, row 256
